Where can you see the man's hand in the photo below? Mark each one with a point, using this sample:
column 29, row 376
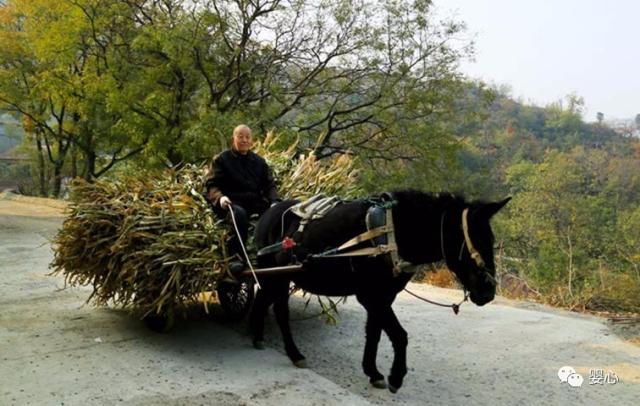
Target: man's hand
column 225, row 202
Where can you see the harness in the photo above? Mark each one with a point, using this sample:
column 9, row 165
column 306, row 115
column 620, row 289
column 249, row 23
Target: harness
column 380, row 232
column 467, row 239
column 313, row 208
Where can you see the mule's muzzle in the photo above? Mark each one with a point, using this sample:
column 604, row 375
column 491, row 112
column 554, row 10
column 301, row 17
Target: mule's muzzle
column 481, row 299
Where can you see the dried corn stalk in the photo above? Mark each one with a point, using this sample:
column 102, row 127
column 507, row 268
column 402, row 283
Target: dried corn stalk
column 151, row 242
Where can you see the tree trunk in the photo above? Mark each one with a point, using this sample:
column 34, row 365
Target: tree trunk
column 90, row 165
column 600, row 273
column 74, row 162
column 42, row 182
column 570, row 262
column 57, row 179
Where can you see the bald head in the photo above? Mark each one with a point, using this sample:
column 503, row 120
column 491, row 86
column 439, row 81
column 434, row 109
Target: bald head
column 242, row 140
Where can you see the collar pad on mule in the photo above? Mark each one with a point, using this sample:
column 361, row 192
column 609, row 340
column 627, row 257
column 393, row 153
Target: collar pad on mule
column 381, row 216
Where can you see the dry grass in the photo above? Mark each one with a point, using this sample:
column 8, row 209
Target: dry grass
column 442, row 278
column 17, row 205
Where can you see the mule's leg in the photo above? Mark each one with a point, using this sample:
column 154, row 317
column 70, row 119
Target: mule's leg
column 258, row 314
column 281, row 310
column 373, row 331
column 399, row 341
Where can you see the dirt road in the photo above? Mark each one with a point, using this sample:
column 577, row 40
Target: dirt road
column 54, row 350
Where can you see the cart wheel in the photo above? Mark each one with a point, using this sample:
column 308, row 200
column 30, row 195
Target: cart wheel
column 160, row 323
column 236, row 297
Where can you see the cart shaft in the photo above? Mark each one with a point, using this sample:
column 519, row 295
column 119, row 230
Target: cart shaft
column 274, row 270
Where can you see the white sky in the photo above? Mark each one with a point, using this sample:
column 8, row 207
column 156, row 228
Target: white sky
column 546, row 49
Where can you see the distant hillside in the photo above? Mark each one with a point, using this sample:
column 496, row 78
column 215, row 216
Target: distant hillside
column 570, row 231
column 513, row 132
column 555, row 126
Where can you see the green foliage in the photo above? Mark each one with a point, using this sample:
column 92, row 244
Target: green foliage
column 164, row 83
column 571, row 228
column 10, row 132
column 113, row 86
column 569, row 224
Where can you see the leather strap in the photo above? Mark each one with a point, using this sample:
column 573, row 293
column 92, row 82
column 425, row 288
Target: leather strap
column 472, row 250
column 368, row 251
column 367, row 235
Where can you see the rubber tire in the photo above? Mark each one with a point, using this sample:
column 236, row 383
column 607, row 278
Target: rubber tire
column 236, row 298
column 160, row 323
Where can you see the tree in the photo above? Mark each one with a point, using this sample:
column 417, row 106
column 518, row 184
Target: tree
column 82, row 81
column 570, row 217
column 21, row 92
column 163, row 81
column 359, row 74
column 600, row 117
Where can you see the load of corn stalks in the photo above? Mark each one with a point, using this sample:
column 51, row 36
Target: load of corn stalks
column 150, row 242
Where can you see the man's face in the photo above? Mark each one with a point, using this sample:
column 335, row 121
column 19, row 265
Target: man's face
column 242, row 141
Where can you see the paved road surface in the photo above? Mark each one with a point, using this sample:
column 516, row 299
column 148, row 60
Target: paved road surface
column 54, row 350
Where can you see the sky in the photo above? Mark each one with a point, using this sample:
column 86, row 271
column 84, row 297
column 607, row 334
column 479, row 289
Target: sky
column 546, row 49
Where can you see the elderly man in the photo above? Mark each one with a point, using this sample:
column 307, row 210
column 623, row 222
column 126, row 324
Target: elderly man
column 241, row 181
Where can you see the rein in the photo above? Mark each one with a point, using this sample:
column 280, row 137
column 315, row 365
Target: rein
column 454, row 306
column 244, row 250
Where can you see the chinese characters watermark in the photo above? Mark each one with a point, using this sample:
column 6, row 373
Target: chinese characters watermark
column 596, row 377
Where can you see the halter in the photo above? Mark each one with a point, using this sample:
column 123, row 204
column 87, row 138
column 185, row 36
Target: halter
column 473, row 252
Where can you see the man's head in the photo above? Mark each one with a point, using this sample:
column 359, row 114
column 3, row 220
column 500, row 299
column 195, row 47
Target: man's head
column 242, row 140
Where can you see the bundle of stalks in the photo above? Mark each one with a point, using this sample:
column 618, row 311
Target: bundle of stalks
column 150, row 242
column 302, row 176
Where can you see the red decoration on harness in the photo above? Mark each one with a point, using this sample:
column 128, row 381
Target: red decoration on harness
column 288, row 243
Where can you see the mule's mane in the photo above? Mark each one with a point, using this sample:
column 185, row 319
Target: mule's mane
column 432, row 201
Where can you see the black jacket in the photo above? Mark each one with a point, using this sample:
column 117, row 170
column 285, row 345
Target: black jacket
column 245, row 179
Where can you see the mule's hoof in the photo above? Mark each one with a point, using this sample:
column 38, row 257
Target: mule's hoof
column 301, row 363
column 394, row 383
column 379, row 383
column 258, row 345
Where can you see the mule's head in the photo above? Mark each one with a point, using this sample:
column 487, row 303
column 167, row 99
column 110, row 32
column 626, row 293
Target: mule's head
column 469, row 251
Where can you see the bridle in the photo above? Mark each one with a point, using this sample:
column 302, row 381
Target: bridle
column 467, row 239
column 454, row 306
column 473, row 252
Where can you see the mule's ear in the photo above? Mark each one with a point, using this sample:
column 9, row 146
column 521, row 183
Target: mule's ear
column 492, row 208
